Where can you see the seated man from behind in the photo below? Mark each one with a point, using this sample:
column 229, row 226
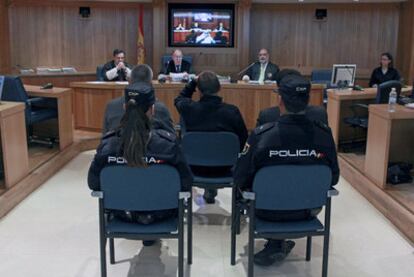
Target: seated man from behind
column 293, row 132
column 209, row 114
column 272, row 114
column 117, row 69
column 138, row 144
column 141, row 74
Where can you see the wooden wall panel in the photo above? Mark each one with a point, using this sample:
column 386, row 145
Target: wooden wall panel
column 405, row 58
column 352, row 33
column 53, row 35
column 4, row 38
column 226, row 61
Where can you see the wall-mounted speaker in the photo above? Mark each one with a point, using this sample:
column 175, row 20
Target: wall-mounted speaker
column 321, row 14
column 85, row 12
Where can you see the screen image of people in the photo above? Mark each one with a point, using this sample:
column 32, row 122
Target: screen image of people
column 201, row 28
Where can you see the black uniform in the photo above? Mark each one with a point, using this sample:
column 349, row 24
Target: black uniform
column 314, row 113
column 270, row 73
column 268, row 142
column 122, row 75
column 378, row 77
column 276, row 144
column 172, row 68
column 162, row 148
column 209, row 114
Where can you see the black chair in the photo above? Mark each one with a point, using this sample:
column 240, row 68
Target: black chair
column 38, row 109
column 100, row 73
column 288, row 188
column 157, row 187
column 211, row 149
column 359, row 118
column 321, row 76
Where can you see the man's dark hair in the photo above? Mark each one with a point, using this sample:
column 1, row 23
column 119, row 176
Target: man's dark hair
column 118, row 51
column 208, row 83
column 141, row 74
column 286, row 72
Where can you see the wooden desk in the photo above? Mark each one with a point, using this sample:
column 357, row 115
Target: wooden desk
column 64, row 105
column 390, row 139
column 57, row 79
column 339, row 102
column 13, row 142
column 90, row 99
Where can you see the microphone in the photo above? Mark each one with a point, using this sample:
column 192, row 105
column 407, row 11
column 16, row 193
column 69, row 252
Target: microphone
column 246, row 68
column 166, row 66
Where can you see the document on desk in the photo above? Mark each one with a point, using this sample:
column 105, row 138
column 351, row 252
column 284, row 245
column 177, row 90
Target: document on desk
column 96, row 82
column 122, row 83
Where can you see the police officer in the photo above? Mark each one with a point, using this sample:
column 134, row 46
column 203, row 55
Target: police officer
column 137, row 145
column 294, row 139
column 210, row 114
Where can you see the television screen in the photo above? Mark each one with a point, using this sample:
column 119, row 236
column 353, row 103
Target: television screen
column 201, row 25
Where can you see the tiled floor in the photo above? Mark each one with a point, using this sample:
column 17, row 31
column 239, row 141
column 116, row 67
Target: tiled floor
column 54, row 232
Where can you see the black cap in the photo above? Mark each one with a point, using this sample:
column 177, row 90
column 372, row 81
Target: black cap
column 142, row 93
column 295, row 91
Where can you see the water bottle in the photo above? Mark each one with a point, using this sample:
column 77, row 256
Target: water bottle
column 392, row 101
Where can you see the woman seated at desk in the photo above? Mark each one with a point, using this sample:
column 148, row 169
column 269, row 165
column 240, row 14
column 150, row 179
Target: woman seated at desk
column 386, row 72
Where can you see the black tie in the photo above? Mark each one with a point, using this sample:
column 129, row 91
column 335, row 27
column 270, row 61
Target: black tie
column 177, row 68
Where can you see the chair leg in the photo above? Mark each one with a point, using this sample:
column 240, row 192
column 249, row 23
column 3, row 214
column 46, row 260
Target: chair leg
column 111, row 251
column 308, row 248
column 190, row 231
column 325, row 255
column 102, row 239
column 234, row 212
column 238, row 221
column 181, row 240
column 103, row 257
column 251, row 242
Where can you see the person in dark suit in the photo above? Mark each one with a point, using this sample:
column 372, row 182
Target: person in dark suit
column 263, row 69
column 117, row 69
column 115, row 108
column 177, row 64
column 209, row 114
column 313, row 113
column 385, row 72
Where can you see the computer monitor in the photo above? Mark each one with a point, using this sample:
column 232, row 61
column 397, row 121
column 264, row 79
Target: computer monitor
column 412, row 91
column 343, row 75
column 1, row 86
column 384, row 90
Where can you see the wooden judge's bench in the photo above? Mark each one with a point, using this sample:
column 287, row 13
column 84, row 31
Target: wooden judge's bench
column 90, row 99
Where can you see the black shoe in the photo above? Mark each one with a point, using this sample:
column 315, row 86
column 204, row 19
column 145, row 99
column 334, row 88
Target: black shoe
column 209, row 196
column 274, row 251
column 148, row 242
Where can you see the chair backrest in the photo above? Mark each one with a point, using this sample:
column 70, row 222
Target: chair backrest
column 384, row 89
column 210, row 148
column 140, row 189
column 167, row 58
column 99, row 73
column 13, row 90
column 292, row 187
column 321, row 76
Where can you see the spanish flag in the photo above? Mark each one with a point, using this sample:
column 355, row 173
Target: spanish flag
column 140, row 42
